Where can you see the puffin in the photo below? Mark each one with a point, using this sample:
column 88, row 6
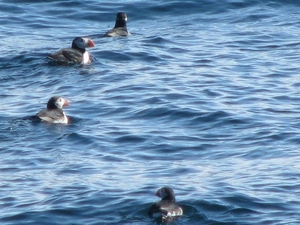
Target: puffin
column 166, row 207
column 120, row 28
column 54, row 113
column 76, row 54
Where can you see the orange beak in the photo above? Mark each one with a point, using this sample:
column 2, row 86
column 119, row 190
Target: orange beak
column 90, row 44
column 66, row 103
column 157, row 194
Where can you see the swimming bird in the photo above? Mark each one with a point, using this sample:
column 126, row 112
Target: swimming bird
column 166, row 207
column 76, row 54
column 120, row 28
column 54, row 113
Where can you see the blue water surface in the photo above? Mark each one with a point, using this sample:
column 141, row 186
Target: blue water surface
column 204, row 97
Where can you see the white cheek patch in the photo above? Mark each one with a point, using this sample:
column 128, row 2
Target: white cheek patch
column 59, row 103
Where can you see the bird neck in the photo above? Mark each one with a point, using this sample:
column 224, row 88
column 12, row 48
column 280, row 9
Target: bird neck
column 120, row 23
column 169, row 198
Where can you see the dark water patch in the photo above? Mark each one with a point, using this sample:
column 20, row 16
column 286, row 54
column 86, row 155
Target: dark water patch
column 193, row 7
column 9, row 170
column 13, row 9
column 250, row 202
column 186, row 114
column 255, row 17
column 153, row 112
column 211, row 93
column 117, row 112
column 218, row 213
column 127, row 56
column 62, row 216
column 78, row 139
column 294, row 139
column 18, row 61
column 161, row 152
column 113, row 158
column 117, row 56
column 154, row 100
column 158, row 151
column 243, row 212
column 211, row 117
column 78, row 168
column 146, row 56
column 157, row 41
column 130, row 138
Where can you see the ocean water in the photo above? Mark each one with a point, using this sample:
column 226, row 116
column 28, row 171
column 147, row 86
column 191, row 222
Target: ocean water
column 204, row 97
